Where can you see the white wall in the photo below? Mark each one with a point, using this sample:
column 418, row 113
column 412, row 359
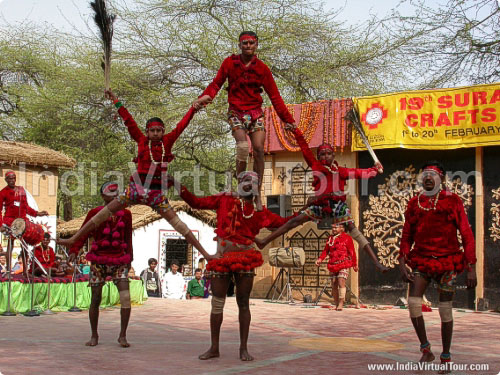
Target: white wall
column 147, row 241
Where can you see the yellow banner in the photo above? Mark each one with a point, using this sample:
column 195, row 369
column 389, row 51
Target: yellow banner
column 431, row 119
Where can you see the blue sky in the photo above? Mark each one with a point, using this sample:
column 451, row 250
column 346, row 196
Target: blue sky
column 70, row 14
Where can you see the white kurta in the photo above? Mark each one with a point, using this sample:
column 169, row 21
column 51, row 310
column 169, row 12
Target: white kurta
column 173, row 285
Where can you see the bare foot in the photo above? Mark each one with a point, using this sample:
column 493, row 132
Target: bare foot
column 244, row 356
column 210, row 353
column 340, row 306
column 122, row 340
column 427, row 357
column 94, row 340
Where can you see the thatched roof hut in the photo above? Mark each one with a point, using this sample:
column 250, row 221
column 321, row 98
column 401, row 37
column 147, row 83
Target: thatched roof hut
column 142, row 216
column 13, row 153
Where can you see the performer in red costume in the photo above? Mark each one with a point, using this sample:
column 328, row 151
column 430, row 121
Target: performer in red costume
column 111, row 254
column 238, row 222
column 13, row 198
column 329, row 201
column 46, row 256
column 431, row 222
column 342, row 256
column 247, row 75
column 146, row 187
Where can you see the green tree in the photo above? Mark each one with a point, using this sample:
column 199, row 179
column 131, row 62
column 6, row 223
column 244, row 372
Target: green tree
column 457, row 43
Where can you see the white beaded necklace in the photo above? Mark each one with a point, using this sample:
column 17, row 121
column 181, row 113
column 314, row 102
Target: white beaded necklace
column 330, row 170
column 162, row 153
column 243, row 210
column 433, row 206
column 331, row 239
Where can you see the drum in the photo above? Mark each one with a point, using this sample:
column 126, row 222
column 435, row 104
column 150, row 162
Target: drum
column 287, row 257
column 31, row 233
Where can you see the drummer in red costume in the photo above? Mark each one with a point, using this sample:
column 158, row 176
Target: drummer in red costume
column 432, row 219
column 340, row 250
column 46, row 256
column 238, row 222
column 13, row 198
column 146, row 184
column 111, row 254
column 329, row 201
column 247, row 76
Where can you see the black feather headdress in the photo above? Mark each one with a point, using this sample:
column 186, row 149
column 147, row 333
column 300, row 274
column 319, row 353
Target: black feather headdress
column 104, row 22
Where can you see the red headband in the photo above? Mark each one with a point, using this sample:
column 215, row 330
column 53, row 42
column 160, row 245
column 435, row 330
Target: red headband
column 248, row 173
column 435, row 169
column 155, row 123
column 10, row 173
column 109, row 188
column 247, row 37
column 325, row 146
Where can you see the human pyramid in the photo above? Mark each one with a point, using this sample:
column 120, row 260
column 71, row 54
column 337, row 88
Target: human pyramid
column 432, row 251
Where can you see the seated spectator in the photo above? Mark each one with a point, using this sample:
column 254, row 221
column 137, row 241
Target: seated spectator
column 195, row 288
column 84, row 265
column 18, row 267
column 206, row 283
column 3, row 263
column 173, row 282
column 46, row 257
column 131, row 272
column 151, row 280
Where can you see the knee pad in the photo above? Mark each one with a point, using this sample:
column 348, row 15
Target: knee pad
column 342, row 293
column 218, row 305
column 446, row 311
column 125, row 299
column 242, row 151
column 101, row 216
column 415, row 306
column 179, row 226
column 358, row 237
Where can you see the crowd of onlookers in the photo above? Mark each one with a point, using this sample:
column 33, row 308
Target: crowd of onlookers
column 62, row 267
column 173, row 285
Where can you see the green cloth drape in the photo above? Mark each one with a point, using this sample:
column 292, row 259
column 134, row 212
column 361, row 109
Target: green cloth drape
column 61, row 295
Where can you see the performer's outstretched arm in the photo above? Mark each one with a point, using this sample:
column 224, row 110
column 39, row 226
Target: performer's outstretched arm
column 180, row 127
column 304, row 147
column 134, row 131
